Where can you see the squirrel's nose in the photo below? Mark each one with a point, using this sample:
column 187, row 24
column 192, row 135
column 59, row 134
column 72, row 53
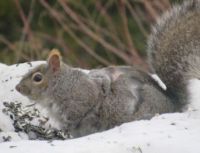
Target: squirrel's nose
column 18, row 88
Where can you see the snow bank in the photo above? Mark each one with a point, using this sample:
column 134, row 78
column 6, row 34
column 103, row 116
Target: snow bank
column 174, row 133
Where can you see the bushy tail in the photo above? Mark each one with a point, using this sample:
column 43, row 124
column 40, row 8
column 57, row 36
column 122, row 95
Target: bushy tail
column 174, row 48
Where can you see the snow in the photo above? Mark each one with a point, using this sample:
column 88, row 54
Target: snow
column 193, row 90
column 174, row 133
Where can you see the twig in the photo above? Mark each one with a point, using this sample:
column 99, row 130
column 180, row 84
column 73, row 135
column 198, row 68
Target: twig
column 7, row 43
column 122, row 11
column 26, row 21
column 87, row 31
column 150, row 9
column 102, row 9
column 137, row 20
column 54, row 40
column 105, row 32
column 67, row 29
column 60, row 42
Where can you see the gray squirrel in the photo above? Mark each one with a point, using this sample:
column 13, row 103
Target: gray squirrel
column 103, row 98
column 87, row 102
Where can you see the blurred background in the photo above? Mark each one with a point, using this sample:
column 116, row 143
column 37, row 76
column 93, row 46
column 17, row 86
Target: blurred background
column 89, row 33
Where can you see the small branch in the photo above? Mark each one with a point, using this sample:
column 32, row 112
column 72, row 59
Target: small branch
column 7, row 43
column 87, row 31
column 136, row 18
column 105, row 32
column 150, row 9
column 67, row 29
column 26, row 22
column 54, row 40
column 136, row 58
column 103, row 12
column 122, row 11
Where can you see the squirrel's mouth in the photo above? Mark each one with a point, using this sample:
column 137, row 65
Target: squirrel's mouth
column 22, row 89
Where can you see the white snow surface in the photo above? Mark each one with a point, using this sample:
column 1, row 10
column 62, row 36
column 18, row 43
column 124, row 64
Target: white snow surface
column 174, row 133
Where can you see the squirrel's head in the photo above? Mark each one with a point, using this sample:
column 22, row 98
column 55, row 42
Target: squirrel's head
column 35, row 83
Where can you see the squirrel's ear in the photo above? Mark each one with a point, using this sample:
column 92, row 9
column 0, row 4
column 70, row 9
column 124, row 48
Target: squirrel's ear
column 54, row 60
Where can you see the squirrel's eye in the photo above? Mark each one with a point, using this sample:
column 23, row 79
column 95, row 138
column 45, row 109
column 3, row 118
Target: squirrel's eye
column 37, row 77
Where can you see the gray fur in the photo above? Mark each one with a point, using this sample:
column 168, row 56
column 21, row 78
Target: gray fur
column 102, row 99
column 174, row 48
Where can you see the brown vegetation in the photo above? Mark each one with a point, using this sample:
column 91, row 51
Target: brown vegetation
column 89, row 33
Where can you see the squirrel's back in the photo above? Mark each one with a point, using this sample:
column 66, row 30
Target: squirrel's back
column 174, row 47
